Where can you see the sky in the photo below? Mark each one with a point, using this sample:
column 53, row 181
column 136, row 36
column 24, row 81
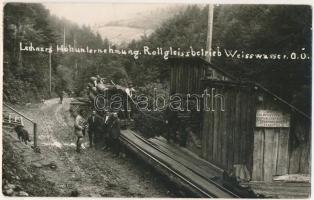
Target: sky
column 95, row 13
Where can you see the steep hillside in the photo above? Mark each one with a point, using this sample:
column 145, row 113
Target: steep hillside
column 122, row 34
column 144, row 23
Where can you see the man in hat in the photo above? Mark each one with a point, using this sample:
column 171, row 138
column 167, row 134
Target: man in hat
column 129, row 91
column 106, row 137
column 115, row 134
column 99, row 79
column 103, row 80
column 60, row 94
column 79, row 125
column 94, row 124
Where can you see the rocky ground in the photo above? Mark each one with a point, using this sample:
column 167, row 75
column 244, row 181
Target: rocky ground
column 59, row 171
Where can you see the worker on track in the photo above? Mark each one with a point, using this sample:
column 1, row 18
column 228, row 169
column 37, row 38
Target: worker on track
column 106, row 134
column 79, row 125
column 115, row 134
column 94, row 123
column 60, row 94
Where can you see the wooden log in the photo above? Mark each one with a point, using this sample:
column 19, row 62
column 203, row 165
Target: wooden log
column 300, row 178
column 160, row 169
column 82, row 99
column 286, row 190
column 90, row 85
column 101, row 87
column 91, row 96
column 94, row 90
column 92, row 79
column 173, row 164
column 186, row 160
column 80, row 103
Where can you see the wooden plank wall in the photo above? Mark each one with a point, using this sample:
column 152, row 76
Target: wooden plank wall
column 227, row 137
column 230, row 137
column 270, row 155
column 279, row 151
column 186, row 76
column 300, row 145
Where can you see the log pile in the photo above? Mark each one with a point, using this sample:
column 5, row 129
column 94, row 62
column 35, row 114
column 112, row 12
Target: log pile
column 99, row 86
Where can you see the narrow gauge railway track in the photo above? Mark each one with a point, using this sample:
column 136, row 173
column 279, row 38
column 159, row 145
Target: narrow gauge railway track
column 212, row 189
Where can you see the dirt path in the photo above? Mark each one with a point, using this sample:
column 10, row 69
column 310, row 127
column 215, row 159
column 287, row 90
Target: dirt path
column 94, row 172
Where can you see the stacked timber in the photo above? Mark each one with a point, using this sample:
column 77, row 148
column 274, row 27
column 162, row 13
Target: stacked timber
column 99, row 86
column 96, row 86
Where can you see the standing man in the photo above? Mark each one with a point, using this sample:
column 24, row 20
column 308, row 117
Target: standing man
column 79, row 125
column 106, row 138
column 60, row 94
column 115, row 134
column 94, row 123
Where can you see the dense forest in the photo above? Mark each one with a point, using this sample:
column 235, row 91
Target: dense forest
column 26, row 74
column 254, row 28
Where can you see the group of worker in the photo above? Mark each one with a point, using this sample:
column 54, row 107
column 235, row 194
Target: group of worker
column 103, row 131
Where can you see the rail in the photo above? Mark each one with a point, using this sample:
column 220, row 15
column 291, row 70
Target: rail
column 30, row 120
column 204, row 192
column 169, row 169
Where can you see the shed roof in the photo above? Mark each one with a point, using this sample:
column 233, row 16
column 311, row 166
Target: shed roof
column 252, row 84
column 203, row 61
column 237, row 81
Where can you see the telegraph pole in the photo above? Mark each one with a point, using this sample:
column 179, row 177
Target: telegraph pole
column 64, row 37
column 210, row 30
column 50, row 72
column 75, row 65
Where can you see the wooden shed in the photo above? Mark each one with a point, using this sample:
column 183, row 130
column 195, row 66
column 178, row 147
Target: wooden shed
column 257, row 129
column 186, row 74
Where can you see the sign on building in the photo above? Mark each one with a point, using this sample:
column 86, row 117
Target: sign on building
column 271, row 118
